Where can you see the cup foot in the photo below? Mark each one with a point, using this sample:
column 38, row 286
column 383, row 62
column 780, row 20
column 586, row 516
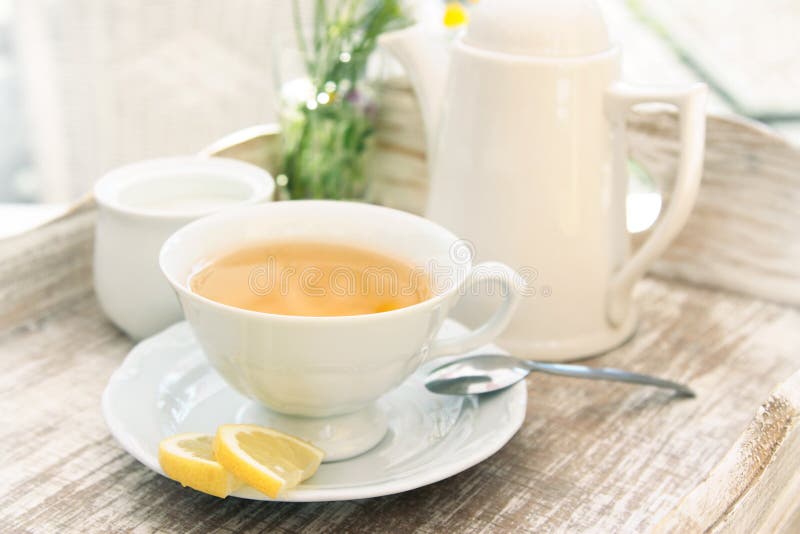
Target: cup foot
column 340, row 436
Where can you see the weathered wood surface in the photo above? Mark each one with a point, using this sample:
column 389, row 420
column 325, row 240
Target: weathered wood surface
column 590, row 456
column 755, row 487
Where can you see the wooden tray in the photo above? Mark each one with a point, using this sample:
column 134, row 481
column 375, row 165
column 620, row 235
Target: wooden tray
column 720, row 313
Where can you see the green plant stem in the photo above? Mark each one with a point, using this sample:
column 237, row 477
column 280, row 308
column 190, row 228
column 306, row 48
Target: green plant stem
column 325, row 139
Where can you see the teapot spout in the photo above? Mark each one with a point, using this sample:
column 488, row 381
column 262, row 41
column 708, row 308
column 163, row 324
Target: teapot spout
column 425, row 57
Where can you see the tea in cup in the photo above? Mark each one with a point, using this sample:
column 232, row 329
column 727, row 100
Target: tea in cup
column 311, row 278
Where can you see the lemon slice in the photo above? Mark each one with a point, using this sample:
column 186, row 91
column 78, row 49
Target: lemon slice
column 189, row 459
column 266, row 459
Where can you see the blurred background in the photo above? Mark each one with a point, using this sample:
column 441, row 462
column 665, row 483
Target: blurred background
column 86, row 85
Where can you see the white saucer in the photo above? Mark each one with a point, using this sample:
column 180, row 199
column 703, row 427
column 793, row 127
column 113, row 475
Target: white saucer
column 165, row 386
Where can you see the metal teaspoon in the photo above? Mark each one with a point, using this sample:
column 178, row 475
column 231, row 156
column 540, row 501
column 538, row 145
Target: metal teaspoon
column 486, row 373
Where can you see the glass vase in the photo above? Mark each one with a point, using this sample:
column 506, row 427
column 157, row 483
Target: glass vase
column 327, row 121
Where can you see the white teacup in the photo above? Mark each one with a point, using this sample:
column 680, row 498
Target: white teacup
column 139, row 206
column 331, row 370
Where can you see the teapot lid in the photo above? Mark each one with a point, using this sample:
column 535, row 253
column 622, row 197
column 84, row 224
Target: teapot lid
column 554, row 28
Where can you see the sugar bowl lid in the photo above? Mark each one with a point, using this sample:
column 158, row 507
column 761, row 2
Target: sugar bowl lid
column 552, row 28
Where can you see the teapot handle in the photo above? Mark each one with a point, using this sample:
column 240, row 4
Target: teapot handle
column 690, row 102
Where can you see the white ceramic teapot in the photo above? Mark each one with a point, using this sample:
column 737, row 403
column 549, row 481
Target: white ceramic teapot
column 525, row 118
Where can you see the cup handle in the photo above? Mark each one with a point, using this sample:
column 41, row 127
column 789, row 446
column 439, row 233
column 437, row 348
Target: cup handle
column 690, row 102
column 511, row 286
